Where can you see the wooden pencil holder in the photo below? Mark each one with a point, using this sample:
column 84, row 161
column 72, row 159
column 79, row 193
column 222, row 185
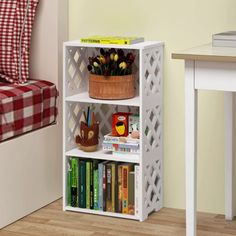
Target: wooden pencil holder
column 88, row 138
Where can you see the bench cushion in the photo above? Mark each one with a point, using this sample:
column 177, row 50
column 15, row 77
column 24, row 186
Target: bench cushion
column 26, row 107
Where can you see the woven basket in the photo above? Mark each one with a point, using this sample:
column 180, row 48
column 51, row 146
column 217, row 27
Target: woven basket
column 111, row 87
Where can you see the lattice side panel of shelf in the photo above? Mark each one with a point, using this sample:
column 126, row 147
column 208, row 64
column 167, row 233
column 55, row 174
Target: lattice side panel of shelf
column 152, row 130
column 153, row 72
column 103, row 114
column 152, row 145
column 76, row 61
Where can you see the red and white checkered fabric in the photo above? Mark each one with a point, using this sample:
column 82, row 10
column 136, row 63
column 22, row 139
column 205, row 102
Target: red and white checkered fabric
column 27, row 107
column 16, row 21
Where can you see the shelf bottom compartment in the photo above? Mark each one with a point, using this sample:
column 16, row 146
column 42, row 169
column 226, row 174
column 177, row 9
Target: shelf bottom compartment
column 103, row 213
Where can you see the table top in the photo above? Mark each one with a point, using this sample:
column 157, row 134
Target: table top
column 207, row 53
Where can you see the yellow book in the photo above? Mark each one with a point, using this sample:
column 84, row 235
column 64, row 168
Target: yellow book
column 126, row 169
column 113, row 186
column 119, row 189
column 112, row 40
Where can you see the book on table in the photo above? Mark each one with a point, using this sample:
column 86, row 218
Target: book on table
column 228, row 35
column 224, row 39
column 112, row 40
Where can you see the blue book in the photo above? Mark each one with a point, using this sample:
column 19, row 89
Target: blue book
column 82, row 184
column 95, row 184
column 100, row 186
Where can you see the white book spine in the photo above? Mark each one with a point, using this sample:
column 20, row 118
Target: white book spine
column 136, row 189
column 224, row 43
column 230, row 35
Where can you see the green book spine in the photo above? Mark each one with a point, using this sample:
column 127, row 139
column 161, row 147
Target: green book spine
column 74, row 182
column 69, row 186
column 82, row 184
column 88, row 164
column 91, row 186
column 95, row 182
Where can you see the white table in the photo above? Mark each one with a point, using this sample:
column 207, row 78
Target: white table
column 209, row 68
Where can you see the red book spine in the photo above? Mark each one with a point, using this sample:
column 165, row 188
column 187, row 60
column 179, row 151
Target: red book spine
column 125, row 189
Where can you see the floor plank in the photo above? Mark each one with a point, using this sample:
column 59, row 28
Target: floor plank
column 52, row 221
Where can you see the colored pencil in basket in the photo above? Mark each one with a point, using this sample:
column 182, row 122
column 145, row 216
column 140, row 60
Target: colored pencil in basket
column 93, row 118
column 89, row 117
column 85, row 118
column 88, row 111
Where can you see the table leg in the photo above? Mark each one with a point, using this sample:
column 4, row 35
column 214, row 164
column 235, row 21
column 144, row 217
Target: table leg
column 228, row 152
column 190, row 148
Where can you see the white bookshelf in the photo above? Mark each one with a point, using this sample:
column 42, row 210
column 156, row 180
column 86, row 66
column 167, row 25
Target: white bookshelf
column 148, row 70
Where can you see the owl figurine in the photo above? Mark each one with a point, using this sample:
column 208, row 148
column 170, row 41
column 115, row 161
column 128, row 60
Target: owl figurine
column 88, row 138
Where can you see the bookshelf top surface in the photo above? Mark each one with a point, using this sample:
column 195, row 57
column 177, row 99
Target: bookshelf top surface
column 142, row 45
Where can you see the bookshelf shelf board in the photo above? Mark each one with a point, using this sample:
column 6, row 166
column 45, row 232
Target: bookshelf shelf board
column 105, row 213
column 84, row 97
column 101, row 155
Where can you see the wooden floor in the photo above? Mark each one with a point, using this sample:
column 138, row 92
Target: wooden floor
column 52, row 221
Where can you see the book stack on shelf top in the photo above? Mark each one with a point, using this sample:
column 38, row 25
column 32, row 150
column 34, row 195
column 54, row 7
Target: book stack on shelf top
column 124, row 138
column 224, row 39
column 112, row 40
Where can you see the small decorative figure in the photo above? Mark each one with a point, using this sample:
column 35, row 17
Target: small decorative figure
column 135, row 131
column 134, row 126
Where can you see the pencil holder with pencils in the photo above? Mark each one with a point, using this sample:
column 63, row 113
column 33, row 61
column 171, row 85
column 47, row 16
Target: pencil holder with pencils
column 89, row 133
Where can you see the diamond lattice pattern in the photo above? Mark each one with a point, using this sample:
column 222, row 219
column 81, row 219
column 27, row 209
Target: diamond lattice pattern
column 152, row 75
column 152, row 185
column 152, row 133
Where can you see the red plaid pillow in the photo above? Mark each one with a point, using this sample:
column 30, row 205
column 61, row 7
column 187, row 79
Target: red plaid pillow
column 16, row 21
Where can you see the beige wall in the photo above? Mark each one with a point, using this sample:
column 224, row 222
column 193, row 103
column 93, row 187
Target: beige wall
column 180, row 24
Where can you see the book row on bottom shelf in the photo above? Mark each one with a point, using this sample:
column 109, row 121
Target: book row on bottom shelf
column 102, row 185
